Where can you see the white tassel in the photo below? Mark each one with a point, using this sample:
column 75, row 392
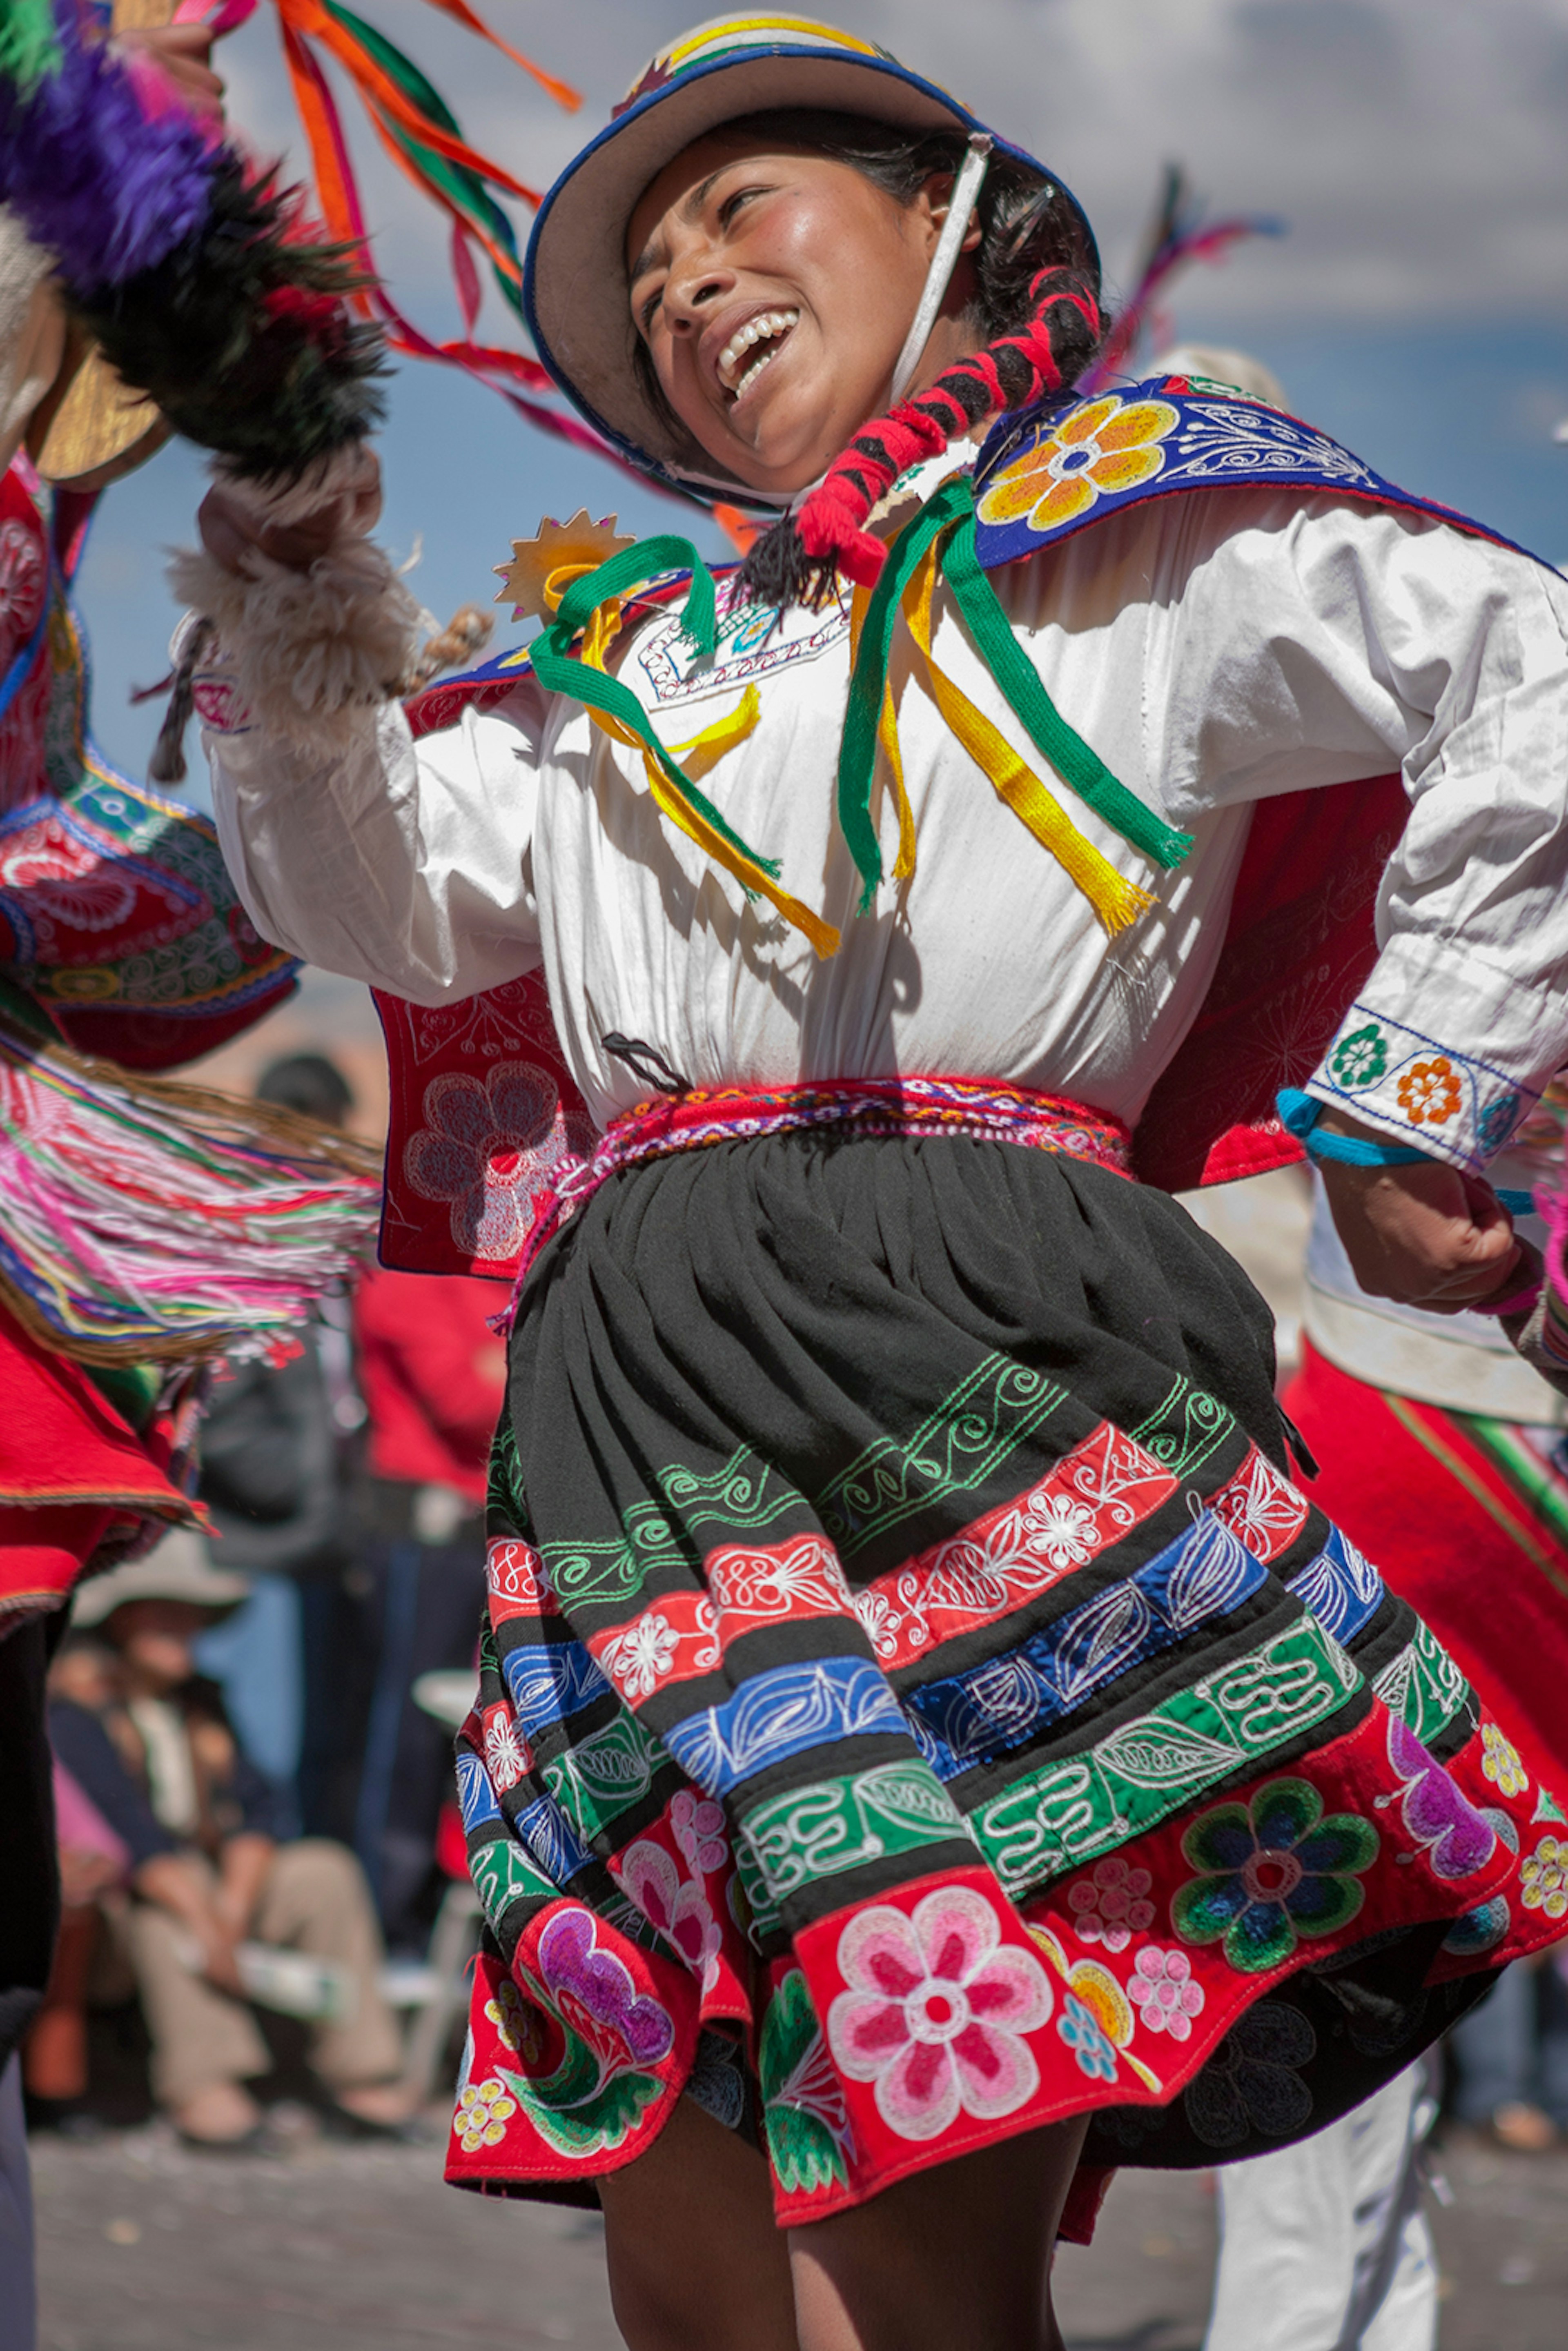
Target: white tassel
column 313, row 652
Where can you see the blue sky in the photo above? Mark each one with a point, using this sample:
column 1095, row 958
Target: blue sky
column 1417, row 309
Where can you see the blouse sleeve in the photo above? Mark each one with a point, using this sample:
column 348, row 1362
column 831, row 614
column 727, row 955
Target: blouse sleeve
column 1332, row 641
column 404, row 864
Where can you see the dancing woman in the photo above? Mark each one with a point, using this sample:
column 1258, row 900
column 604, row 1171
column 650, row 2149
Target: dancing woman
column 930, row 1748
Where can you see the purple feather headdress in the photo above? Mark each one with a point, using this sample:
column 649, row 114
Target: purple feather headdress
column 198, row 275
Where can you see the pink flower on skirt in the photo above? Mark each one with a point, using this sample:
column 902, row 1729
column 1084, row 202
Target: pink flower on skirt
column 935, row 2013
column 1162, row 1989
column 676, row 1905
column 1109, row 1907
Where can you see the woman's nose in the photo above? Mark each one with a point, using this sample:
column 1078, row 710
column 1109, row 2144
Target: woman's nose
column 691, row 291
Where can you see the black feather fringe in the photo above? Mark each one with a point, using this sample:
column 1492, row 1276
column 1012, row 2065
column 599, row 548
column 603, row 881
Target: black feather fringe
column 243, row 336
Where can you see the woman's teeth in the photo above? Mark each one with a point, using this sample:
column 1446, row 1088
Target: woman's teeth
column 736, row 372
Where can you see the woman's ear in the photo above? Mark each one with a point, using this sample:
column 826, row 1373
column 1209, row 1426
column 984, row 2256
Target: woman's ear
column 931, row 203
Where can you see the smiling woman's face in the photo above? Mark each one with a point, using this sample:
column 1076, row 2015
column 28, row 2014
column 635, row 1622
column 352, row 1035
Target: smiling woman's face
column 774, row 289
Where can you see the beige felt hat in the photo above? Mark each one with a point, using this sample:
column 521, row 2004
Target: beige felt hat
column 575, row 290
column 177, row 1568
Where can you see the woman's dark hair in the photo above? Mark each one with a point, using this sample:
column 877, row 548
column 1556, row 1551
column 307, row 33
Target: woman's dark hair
column 1036, row 303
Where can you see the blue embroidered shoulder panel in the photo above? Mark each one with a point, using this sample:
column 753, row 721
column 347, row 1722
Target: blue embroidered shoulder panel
column 1044, row 475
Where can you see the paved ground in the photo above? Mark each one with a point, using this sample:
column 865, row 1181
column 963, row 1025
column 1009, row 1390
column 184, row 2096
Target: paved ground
column 146, row 2247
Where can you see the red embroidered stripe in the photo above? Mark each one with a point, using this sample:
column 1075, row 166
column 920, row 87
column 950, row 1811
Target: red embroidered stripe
column 1095, row 1494
column 1261, row 1507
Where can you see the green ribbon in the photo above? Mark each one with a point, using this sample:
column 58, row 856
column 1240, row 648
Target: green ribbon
column 558, row 672
column 951, row 510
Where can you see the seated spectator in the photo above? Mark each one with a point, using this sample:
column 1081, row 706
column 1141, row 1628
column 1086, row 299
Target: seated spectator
column 150, row 1748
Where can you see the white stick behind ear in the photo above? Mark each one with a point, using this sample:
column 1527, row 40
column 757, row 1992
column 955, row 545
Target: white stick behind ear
column 944, row 261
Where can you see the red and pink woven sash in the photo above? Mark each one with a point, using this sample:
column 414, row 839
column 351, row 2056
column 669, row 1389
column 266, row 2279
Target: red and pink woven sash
column 981, row 1107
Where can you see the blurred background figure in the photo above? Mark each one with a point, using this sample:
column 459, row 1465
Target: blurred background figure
column 433, row 1376
column 169, row 1831
column 280, row 1445
column 1512, row 2058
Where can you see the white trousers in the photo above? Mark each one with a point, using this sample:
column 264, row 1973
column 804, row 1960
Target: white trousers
column 1324, row 2246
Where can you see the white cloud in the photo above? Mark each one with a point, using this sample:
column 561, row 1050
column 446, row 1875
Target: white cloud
column 1415, row 147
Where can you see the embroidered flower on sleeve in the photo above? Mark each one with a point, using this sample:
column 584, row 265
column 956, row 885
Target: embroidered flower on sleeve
column 1161, row 1989
column 1110, row 1905
column 484, row 2110
column 1501, row 1762
column 1274, row 1870
column 935, row 2013
column 1086, row 2037
column 1106, row 445
column 1497, row 1122
column 1429, row 1092
column 1545, row 1877
column 1360, row 1059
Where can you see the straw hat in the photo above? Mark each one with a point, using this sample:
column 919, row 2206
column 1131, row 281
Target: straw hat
column 177, row 1568
column 575, row 289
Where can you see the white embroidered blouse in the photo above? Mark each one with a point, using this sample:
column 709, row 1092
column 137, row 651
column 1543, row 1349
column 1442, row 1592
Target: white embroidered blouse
column 1215, row 649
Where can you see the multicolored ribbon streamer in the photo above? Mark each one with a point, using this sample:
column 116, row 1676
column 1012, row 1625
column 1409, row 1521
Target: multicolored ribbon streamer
column 941, row 537
column 586, row 607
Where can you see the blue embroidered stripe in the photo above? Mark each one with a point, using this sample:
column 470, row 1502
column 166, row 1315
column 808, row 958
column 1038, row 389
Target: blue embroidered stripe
column 543, row 1831
column 475, row 1793
column 781, row 1713
column 1203, row 1575
column 550, row 1680
column 1341, row 1587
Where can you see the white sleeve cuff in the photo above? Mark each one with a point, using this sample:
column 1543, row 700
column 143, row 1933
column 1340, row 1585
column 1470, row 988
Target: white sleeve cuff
column 1405, row 1056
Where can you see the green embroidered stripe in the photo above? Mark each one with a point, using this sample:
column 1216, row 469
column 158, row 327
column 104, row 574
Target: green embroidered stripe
column 1136, row 1777
column 840, row 1823
column 1423, row 1686
column 599, row 1778
column 503, row 1875
column 735, row 1499
column 1203, row 1427
column 1080, row 768
column 971, row 1433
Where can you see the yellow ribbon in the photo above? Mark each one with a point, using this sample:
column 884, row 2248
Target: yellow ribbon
column 1117, row 902
column 702, row 753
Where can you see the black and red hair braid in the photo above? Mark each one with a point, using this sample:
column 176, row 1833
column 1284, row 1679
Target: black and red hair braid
column 796, row 561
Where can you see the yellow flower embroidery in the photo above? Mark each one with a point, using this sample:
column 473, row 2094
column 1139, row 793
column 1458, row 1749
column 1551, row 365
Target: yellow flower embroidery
column 1545, row 1876
column 484, row 2110
column 1501, row 1763
column 1105, row 445
column 1429, row 1093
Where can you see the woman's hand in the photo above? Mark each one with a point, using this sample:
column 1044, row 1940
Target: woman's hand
column 231, row 526
column 1424, row 1233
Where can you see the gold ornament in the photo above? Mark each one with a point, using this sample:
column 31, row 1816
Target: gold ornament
column 543, row 568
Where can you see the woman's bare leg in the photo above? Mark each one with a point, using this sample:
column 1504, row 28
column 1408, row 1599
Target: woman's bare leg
column 696, row 2260
column 959, row 2255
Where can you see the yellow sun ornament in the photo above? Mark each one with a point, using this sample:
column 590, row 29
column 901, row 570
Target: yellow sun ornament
column 1107, row 444
column 543, row 568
